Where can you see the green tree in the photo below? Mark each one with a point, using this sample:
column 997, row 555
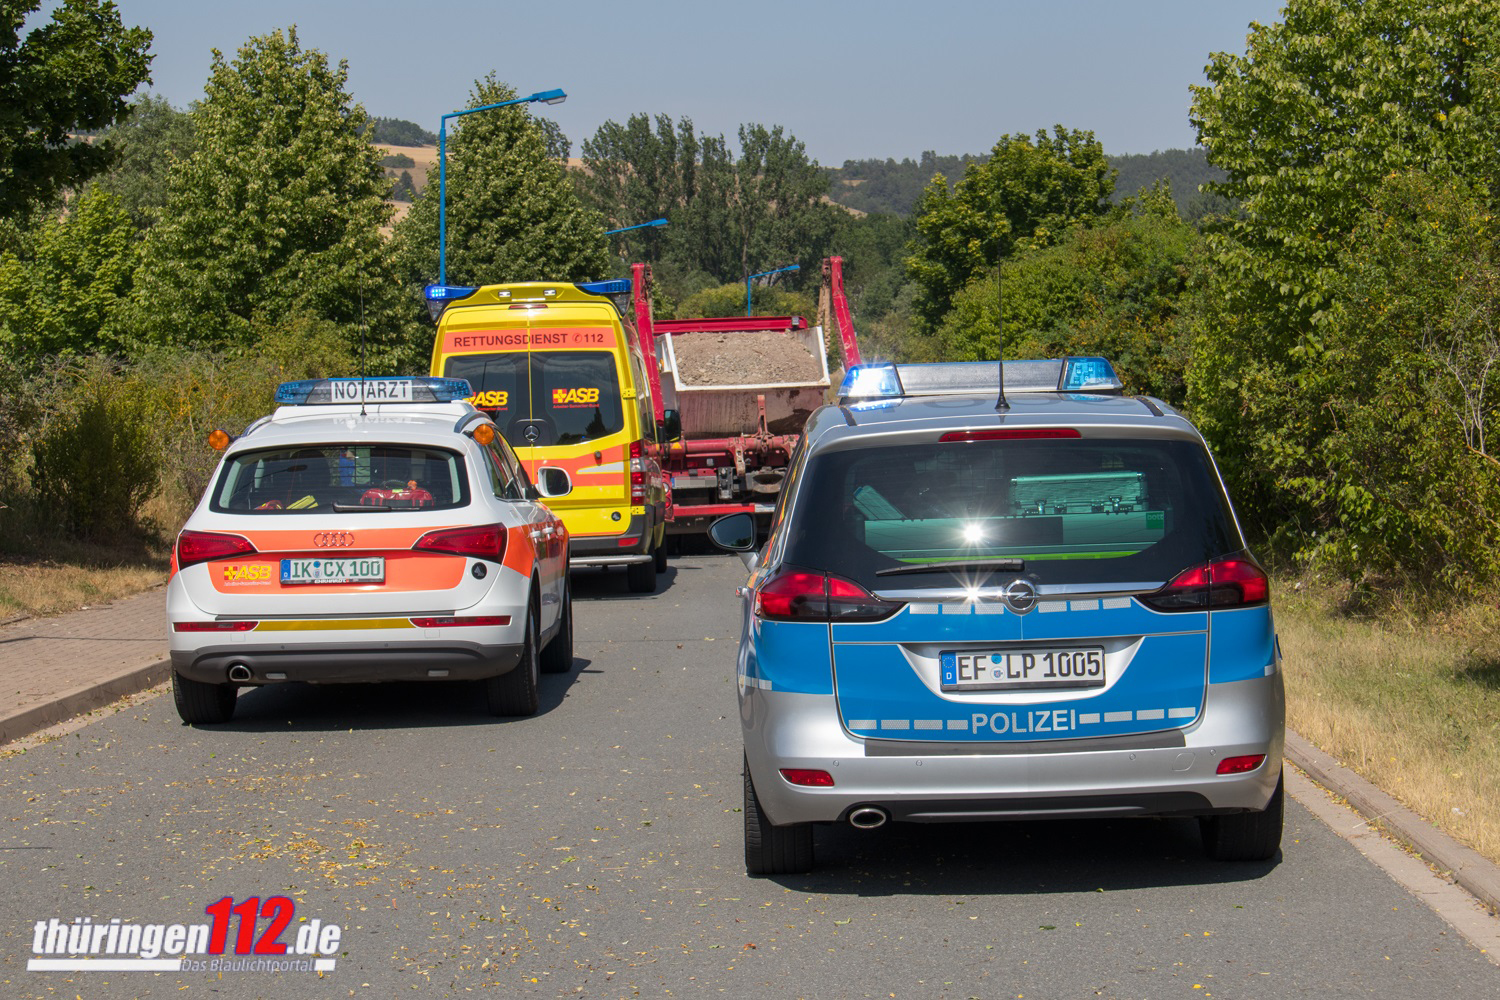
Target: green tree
column 513, row 215
column 1027, row 195
column 150, row 141
column 61, row 294
column 72, row 74
column 276, row 214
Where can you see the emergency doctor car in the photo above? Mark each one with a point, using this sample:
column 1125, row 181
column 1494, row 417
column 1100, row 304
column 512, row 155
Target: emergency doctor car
column 369, row 530
column 987, row 603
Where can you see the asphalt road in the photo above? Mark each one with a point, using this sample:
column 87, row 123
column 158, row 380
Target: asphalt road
column 595, row 850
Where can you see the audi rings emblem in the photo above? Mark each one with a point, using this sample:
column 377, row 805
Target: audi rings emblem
column 333, row 539
column 1019, row 596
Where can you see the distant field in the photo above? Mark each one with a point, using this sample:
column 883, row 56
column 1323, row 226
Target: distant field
column 426, row 157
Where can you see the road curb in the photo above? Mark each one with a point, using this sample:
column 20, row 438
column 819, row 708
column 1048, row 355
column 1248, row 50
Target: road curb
column 82, row 699
column 1476, row 874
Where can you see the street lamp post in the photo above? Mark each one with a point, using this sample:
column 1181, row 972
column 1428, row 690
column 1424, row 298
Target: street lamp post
column 789, row 267
column 544, row 96
column 638, row 225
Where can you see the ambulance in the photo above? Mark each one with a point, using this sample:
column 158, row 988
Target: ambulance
column 559, row 367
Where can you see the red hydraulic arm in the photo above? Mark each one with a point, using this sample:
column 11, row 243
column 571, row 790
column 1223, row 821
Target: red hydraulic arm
column 833, row 273
column 641, row 294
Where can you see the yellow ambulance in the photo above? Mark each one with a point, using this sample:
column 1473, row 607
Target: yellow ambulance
column 559, row 367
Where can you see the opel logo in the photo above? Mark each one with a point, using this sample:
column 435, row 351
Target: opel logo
column 333, row 539
column 1019, row 596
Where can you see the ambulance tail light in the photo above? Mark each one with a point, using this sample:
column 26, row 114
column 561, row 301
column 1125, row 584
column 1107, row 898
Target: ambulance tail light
column 637, row 474
column 800, row 595
column 201, row 546
column 1231, row 582
column 484, row 541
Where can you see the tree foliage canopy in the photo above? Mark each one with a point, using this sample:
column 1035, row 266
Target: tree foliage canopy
column 70, row 75
column 513, row 215
column 276, row 213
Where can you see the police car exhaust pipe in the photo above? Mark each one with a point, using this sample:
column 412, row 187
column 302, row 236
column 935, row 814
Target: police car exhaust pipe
column 868, row 818
column 239, row 672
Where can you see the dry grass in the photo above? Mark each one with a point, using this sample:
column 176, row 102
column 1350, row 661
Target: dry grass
column 1411, row 703
column 76, row 576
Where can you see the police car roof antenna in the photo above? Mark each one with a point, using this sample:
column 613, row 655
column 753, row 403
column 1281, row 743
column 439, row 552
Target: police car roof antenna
column 1000, row 404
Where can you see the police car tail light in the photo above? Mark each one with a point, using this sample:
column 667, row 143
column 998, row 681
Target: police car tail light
column 1011, row 434
column 637, row 474
column 484, row 541
column 201, row 546
column 799, row 595
column 1240, row 765
column 807, row 777
column 1223, row 583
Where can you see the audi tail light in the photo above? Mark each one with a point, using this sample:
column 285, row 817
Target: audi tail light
column 201, row 546
column 1231, row 582
column 484, row 541
column 794, row 594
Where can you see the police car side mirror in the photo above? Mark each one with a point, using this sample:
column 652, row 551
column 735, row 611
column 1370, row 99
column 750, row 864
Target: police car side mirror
column 736, row 533
column 669, row 427
column 553, row 482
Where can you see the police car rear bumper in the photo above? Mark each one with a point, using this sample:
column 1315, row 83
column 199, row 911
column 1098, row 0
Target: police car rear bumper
column 1164, row 774
column 351, row 663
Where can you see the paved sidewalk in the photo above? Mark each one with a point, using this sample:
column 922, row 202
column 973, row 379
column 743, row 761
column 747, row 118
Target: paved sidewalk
column 52, row 669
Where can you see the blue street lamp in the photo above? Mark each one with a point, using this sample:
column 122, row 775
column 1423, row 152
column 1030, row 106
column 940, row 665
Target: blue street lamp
column 789, row 267
column 544, row 96
column 638, row 225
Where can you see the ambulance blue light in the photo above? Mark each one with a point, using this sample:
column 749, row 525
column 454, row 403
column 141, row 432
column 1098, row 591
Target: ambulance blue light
column 877, row 381
column 333, row 391
column 619, row 286
column 448, row 293
column 1090, row 375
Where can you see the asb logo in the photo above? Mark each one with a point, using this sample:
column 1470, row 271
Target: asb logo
column 246, row 573
column 563, row 396
column 493, row 397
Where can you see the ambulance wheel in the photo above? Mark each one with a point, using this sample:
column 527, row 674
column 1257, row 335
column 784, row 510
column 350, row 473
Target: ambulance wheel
column 515, row 692
column 660, row 556
column 771, row 849
column 200, row 703
column 1254, row 836
column 557, row 656
column 641, row 576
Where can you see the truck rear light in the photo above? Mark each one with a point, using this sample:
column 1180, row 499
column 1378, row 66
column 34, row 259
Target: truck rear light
column 235, row 626
column 799, row 595
column 1223, row 583
column 1240, row 765
column 484, row 541
column 807, row 777
column 449, row 621
column 201, row 546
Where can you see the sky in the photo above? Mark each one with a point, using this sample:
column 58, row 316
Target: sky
column 852, row 79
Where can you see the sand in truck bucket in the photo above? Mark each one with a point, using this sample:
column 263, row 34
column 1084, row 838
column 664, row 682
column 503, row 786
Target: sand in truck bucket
column 743, row 358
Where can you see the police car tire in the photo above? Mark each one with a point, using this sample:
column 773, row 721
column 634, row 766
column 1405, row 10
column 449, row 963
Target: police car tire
column 1254, row 836
column 557, row 656
column 200, row 703
column 515, row 692
column 641, row 577
column 771, row 849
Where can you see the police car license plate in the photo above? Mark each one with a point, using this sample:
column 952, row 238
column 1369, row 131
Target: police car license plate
column 1022, row 669
column 370, row 569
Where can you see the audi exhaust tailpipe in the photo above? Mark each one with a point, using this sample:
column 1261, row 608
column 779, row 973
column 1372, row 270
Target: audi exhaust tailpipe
column 868, row 818
column 240, row 673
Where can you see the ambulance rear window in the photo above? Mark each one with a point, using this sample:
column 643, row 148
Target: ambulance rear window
column 313, row 479
column 542, row 398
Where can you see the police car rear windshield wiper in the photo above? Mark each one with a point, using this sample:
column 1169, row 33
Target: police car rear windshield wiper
column 1001, row 565
column 355, row 508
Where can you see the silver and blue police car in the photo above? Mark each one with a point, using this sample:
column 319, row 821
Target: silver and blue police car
column 1038, row 592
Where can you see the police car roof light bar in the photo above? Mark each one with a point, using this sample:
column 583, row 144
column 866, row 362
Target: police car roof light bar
column 887, row 380
column 405, row 389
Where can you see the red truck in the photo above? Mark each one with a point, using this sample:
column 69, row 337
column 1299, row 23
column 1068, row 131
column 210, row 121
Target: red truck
column 741, row 390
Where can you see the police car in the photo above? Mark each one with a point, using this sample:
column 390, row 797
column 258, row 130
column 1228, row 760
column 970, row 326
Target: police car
column 369, row 530
column 987, row 602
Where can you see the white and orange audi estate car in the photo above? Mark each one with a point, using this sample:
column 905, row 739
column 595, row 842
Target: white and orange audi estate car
column 369, row 530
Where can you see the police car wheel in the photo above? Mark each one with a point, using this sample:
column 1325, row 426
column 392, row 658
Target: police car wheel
column 771, row 849
column 515, row 692
column 200, row 703
column 641, row 577
column 557, row 657
column 1252, row 836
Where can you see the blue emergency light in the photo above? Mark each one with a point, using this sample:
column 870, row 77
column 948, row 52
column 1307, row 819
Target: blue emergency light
column 887, row 380
column 365, row 391
column 618, row 286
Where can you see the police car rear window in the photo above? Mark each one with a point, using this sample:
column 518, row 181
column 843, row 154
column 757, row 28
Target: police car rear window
column 1071, row 511
column 316, row 479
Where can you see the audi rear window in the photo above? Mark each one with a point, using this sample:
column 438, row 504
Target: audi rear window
column 323, row 478
column 1059, row 511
